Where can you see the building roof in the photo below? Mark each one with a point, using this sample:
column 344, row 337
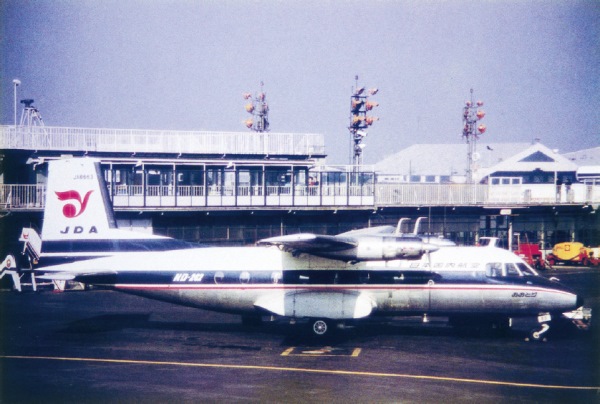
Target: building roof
column 586, row 157
column 535, row 157
column 446, row 159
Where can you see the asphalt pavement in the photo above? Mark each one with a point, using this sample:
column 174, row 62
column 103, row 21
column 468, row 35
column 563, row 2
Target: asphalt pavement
column 104, row 346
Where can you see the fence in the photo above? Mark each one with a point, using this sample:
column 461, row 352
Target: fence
column 160, row 141
column 24, row 197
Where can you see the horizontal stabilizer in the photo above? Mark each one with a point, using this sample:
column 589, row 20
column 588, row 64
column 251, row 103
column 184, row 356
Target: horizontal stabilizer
column 58, row 276
column 95, row 278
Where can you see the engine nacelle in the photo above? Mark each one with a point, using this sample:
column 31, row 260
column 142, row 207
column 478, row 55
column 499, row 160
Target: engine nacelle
column 383, row 248
column 357, row 248
column 390, row 248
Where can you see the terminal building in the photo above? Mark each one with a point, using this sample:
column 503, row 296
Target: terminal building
column 238, row 187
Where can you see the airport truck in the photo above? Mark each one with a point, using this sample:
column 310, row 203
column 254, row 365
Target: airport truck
column 574, row 253
column 529, row 252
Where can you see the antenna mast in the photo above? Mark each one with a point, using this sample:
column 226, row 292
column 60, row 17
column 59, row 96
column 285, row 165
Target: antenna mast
column 359, row 120
column 471, row 132
column 259, row 109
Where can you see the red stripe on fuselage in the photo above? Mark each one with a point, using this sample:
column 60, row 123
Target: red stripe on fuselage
column 341, row 287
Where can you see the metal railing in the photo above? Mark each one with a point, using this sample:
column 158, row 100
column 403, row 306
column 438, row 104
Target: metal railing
column 31, row 197
column 160, row 141
column 22, row 196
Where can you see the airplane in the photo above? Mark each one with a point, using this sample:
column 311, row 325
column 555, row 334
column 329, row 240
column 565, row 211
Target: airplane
column 327, row 280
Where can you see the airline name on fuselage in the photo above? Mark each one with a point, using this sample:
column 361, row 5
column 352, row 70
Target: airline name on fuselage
column 79, row 230
column 524, row 294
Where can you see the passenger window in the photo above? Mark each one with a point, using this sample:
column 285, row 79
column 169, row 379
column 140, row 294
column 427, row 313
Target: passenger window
column 244, row 277
column 493, row 269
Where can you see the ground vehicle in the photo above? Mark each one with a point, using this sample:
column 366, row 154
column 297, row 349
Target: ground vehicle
column 574, row 253
column 529, row 252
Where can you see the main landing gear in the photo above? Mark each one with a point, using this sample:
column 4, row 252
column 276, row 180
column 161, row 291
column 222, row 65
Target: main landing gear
column 324, row 327
column 320, row 327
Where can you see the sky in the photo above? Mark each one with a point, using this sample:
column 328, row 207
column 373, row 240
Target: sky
column 183, row 65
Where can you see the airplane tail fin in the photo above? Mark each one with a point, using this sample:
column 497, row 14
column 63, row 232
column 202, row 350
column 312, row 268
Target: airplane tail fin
column 79, row 220
column 77, row 202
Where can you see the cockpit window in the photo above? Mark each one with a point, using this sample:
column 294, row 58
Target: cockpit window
column 512, row 270
column 526, row 270
column 493, row 269
column 498, row 269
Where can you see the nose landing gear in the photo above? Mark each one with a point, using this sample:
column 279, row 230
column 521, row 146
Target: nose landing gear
column 540, row 334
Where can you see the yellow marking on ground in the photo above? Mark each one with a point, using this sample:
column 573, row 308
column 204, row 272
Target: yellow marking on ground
column 325, row 351
column 301, row 370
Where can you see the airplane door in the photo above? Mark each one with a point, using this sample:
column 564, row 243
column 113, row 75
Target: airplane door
column 410, row 291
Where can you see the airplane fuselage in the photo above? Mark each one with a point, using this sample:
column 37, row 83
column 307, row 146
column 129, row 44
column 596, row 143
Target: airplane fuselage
column 248, row 280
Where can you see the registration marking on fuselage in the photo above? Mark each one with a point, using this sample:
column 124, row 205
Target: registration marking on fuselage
column 321, row 351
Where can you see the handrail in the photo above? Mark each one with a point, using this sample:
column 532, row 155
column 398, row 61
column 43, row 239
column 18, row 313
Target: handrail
column 160, row 141
column 32, row 197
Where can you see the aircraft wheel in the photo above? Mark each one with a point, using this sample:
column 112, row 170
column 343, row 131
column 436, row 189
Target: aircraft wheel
column 534, row 335
column 320, row 327
column 539, row 335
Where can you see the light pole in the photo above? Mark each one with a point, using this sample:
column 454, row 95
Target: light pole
column 259, row 109
column 359, row 120
column 471, row 132
column 16, row 83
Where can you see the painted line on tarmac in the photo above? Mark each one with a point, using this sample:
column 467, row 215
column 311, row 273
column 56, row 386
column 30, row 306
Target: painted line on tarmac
column 320, row 352
column 301, row 370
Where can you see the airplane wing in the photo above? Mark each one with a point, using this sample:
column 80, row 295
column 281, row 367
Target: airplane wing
column 351, row 247
column 369, row 231
column 310, row 243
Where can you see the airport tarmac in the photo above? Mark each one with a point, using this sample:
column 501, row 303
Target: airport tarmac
column 103, row 346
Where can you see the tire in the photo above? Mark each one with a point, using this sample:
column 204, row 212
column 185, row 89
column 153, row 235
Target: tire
column 538, row 335
column 320, row 327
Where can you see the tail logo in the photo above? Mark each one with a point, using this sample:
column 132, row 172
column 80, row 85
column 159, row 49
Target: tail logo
column 70, row 210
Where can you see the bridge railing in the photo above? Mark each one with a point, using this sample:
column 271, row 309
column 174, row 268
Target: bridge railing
column 32, row 197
